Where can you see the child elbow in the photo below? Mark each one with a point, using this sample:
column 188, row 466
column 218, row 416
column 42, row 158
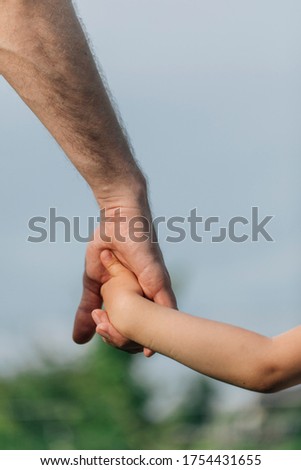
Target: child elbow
column 267, row 380
column 266, row 388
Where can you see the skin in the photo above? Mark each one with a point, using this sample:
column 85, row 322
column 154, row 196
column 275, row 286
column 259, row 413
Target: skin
column 234, row 355
column 45, row 57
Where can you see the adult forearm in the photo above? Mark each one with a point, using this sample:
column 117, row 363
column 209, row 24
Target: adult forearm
column 45, row 56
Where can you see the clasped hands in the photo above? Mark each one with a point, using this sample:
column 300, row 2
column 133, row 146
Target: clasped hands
column 142, row 258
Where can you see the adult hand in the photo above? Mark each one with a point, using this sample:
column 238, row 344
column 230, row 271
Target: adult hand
column 127, row 231
column 46, row 58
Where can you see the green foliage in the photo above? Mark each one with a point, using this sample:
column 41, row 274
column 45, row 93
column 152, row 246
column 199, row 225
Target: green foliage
column 97, row 404
column 94, row 405
column 183, row 429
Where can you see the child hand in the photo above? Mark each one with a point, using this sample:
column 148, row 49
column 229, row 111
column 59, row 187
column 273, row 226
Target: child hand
column 118, row 294
column 111, row 336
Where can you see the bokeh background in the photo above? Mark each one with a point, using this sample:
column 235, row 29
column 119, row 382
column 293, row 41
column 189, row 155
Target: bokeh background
column 209, row 92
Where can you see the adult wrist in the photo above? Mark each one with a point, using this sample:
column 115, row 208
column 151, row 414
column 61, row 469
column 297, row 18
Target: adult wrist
column 129, row 194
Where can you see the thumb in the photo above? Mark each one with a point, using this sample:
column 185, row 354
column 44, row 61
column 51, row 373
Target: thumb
column 111, row 263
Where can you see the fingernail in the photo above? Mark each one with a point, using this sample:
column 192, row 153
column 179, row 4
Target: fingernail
column 95, row 316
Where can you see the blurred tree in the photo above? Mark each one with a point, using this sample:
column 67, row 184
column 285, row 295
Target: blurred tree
column 93, row 405
column 183, row 429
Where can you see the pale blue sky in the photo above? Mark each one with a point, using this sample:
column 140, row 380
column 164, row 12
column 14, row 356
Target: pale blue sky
column 210, row 95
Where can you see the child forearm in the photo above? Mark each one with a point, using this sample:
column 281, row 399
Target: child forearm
column 224, row 352
column 221, row 351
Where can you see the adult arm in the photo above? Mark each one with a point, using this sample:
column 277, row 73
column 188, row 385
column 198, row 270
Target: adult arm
column 45, row 56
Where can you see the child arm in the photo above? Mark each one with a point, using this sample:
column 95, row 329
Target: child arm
column 224, row 352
